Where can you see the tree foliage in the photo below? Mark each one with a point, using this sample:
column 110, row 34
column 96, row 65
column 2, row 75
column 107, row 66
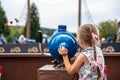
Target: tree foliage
column 108, row 28
column 35, row 25
column 3, row 20
column 34, row 22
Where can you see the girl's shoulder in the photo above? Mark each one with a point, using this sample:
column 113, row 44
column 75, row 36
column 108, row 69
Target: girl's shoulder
column 99, row 51
column 89, row 52
column 98, row 48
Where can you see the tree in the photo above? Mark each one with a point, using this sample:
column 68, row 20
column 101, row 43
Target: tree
column 3, row 20
column 108, row 28
column 34, row 22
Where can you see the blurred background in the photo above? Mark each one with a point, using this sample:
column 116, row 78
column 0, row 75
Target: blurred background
column 46, row 15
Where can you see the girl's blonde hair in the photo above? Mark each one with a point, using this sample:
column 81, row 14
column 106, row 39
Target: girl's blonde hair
column 86, row 32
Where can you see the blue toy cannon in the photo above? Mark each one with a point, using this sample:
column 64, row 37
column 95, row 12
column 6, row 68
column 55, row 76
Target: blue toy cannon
column 62, row 38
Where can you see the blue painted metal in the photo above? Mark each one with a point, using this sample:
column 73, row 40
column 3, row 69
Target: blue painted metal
column 16, row 40
column 62, row 38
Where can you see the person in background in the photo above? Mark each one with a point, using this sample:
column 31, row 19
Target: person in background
column 2, row 39
column 89, row 64
column 45, row 38
column 103, row 40
column 22, row 39
column 109, row 39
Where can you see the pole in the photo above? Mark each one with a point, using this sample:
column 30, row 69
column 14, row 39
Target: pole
column 28, row 21
column 0, row 3
column 79, row 13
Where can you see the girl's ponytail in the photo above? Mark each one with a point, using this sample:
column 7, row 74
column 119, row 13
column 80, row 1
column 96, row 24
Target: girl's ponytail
column 94, row 38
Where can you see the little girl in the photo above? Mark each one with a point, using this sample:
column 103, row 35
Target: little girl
column 90, row 62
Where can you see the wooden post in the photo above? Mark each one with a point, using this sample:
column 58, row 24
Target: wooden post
column 28, row 21
column 79, row 13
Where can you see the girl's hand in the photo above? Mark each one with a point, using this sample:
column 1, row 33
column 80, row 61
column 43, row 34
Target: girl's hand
column 63, row 51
